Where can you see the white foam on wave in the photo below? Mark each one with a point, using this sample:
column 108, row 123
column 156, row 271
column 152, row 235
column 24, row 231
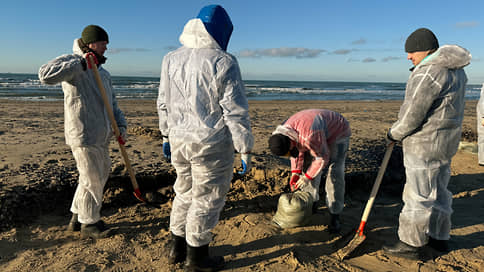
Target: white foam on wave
column 322, row 91
column 33, row 98
column 137, row 86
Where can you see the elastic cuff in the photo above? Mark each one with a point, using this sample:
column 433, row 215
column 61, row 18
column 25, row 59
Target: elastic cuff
column 296, row 171
column 389, row 136
column 308, row 177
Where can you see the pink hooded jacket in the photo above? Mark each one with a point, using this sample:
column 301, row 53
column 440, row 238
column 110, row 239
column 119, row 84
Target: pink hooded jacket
column 314, row 130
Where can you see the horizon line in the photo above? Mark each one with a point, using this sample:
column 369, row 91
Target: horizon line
column 285, row 80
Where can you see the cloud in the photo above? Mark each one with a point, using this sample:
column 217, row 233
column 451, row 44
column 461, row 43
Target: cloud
column 352, row 60
column 387, row 59
column 284, row 52
column 171, row 47
column 468, row 24
column 122, row 50
column 360, row 41
column 249, row 53
column 368, row 60
column 341, row 52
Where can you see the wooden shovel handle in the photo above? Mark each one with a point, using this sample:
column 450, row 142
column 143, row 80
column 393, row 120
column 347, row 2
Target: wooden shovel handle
column 377, row 183
column 109, row 110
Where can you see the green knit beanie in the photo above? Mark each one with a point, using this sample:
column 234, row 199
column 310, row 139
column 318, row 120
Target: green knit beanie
column 94, row 33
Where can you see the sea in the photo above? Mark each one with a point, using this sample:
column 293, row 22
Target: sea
column 28, row 87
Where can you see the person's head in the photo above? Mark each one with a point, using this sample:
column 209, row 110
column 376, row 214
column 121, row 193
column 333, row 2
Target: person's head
column 95, row 38
column 281, row 145
column 421, row 43
column 217, row 23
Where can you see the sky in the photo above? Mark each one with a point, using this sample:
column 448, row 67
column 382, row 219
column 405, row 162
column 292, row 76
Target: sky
column 272, row 40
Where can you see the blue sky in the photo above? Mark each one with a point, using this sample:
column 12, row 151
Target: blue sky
column 274, row 40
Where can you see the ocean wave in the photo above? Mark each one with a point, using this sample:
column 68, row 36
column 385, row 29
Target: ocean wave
column 153, row 86
column 33, row 98
column 29, row 87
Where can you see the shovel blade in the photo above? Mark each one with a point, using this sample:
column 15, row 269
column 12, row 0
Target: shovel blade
column 138, row 195
column 344, row 252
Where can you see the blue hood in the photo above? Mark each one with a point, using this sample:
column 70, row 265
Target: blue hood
column 218, row 24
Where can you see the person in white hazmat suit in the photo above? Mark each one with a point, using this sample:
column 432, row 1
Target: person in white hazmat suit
column 203, row 111
column 480, row 128
column 87, row 126
column 429, row 125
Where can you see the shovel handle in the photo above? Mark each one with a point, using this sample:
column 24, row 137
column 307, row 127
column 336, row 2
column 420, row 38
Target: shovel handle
column 376, row 185
column 117, row 134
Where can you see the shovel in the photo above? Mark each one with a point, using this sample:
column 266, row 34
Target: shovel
column 360, row 236
column 109, row 110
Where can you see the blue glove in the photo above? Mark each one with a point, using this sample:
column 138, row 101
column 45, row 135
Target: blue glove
column 166, row 148
column 246, row 163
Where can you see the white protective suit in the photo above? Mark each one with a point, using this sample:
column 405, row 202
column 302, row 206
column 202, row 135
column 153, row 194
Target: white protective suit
column 480, row 127
column 429, row 125
column 87, row 127
column 204, row 111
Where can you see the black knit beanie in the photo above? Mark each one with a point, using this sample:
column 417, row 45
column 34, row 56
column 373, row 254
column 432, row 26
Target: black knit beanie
column 421, row 39
column 279, row 144
column 94, row 33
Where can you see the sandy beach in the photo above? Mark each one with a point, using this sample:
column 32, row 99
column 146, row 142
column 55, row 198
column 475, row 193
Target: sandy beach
column 38, row 177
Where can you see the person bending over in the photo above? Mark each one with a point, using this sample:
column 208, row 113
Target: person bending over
column 316, row 139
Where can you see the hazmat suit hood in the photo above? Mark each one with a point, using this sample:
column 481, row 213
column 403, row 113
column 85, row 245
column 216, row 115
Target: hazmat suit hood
column 449, row 56
column 218, row 24
column 287, row 131
column 196, row 36
column 76, row 48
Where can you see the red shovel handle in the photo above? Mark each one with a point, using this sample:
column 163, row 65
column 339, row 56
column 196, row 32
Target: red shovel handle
column 91, row 57
column 360, row 228
column 121, row 140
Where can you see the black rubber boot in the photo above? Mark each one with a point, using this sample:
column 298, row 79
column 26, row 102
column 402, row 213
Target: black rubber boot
column 335, row 225
column 199, row 260
column 401, row 249
column 439, row 245
column 74, row 225
column 178, row 249
column 97, row 230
